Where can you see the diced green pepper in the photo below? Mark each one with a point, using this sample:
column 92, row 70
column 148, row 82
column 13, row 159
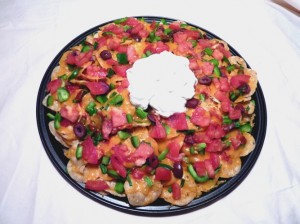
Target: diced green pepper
column 117, row 100
column 141, row 113
column 62, row 94
column 197, row 178
column 135, row 141
column 246, row 128
column 129, row 118
column 227, row 120
column 91, row 108
column 148, row 181
column 122, row 58
column 57, row 120
column 208, row 51
column 50, row 116
column 50, row 100
column 217, row 71
column 122, row 20
column 105, row 160
column 163, row 154
column 119, row 187
column 123, row 135
column 113, row 173
column 110, row 73
column 214, row 61
column 103, row 168
column 79, row 150
column 230, row 68
column 101, row 99
column 74, row 74
column 85, row 48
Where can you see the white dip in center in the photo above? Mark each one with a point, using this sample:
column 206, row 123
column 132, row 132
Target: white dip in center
column 164, row 81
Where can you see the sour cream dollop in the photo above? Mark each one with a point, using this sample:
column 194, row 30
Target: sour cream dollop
column 164, row 81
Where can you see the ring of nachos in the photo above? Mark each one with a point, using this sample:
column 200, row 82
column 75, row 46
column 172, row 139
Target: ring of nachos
column 114, row 147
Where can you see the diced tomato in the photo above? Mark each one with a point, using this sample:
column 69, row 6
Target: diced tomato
column 150, row 48
column 153, row 25
column 113, row 44
column 234, row 113
column 121, row 69
column 132, row 54
column 122, row 48
column 79, row 58
column 98, row 88
column 111, row 62
column 225, row 52
column 200, row 168
column 137, row 173
column 96, row 185
column 176, row 191
column 160, row 47
column 215, row 131
column 122, row 152
column 180, row 37
column 136, row 29
column 71, row 88
column 174, row 149
column 200, row 117
column 178, row 121
column 143, row 151
column 118, row 166
column 163, row 174
column 131, row 21
column 207, row 68
column 192, row 34
column 217, row 54
column 143, row 33
column 158, row 131
column 107, row 127
column 184, row 47
column 204, row 43
column 224, row 85
column 118, row 117
column 70, row 113
column 54, row 85
column 114, row 29
column 96, row 71
column 238, row 140
column 215, row 160
column 209, row 168
column 101, row 41
column 174, row 26
column 214, row 146
column 65, row 123
column 89, row 152
column 193, row 64
column 239, row 80
column 225, row 157
column 225, row 106
column 201, row 137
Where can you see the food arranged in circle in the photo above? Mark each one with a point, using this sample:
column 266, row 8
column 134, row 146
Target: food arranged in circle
column 143, row 134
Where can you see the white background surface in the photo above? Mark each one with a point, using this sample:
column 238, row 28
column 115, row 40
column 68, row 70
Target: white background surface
column 32, row 32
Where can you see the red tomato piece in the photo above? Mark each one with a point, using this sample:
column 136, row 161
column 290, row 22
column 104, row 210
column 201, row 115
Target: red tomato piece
column 140, row 155
column 117, row 165
column 96, row 71
column 163, row 174
column 174, row 149
column 161, row 46
column 70, row 113
column 89, row 152
column 239, row 80
column 215, row 131
column 201, row 117
column 178, row 121
column 209, row 168
column 207, row 68
column 107, row 127
column 215, row 145
column 132, row 54
column 54, row 85
column 204, row 43
column 215, row 160
column 121, row 69
column 234, row 113
column 118, row 117
column 98, row 88
column 176, row 191
column 79, row 58
column 217, row 54
column 137, row 173
column 96, row 185
column 200, row 168
column 158, row 131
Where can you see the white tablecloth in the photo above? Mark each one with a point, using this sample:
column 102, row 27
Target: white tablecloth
column 32, row 32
